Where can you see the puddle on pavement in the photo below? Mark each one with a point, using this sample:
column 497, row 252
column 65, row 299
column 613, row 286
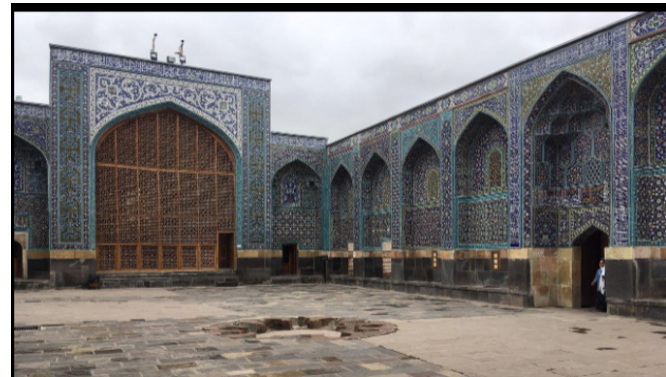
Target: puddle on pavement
column 579, row 330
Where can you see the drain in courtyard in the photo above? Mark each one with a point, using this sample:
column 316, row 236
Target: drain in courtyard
column 303, row 328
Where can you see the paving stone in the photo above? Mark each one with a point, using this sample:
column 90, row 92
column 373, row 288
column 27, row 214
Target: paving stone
column 170, row 367
column 167, row 342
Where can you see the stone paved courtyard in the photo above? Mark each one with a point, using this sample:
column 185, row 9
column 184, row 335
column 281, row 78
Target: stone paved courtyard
column 158, row 332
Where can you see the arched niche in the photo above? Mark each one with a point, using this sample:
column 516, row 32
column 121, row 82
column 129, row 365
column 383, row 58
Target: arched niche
column 30, row 193
column 567, row 163
column 481, row 184
column 342, row 210
column 376, row 203
column 165, row 195
column 297, row 207
column 421, row 197
column 649, row 107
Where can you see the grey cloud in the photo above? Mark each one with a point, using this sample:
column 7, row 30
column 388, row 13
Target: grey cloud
column 333, row 74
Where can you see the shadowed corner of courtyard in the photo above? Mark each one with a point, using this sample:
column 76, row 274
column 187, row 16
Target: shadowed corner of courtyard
column 162, row 332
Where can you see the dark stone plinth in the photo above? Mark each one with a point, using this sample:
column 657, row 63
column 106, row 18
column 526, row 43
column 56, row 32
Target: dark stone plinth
column 294, row 279
column 622, row 286
column 222, row 278
column 39, row 269
column 647, row 309
column 502, row 296
column 72, row 272
column 31, row 285
column 254, row 276
column 519, row 275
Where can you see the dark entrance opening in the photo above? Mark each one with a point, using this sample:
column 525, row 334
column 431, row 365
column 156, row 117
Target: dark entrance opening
column 17, row 259
column 592, row 244
column 290, row 259
column 227, row 252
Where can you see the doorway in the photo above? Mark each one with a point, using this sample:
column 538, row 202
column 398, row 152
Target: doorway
column 227, row 251
column 290, row 259
column 17, row 260
column 592, row 245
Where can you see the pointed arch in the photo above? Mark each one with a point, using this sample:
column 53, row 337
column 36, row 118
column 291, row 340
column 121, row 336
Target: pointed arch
column 340, row 165
column 567, row 159
column 165, row 186
column 421, row 197
column 376, row 202
column 554, row 88
column 645, row 128
column 342, row 209
column 480, row 188
column 341, row 169
column 372, row 156
column 656, row 68
column 586, row 231
column 649, row 158
column 474, row 156
column 422, row 140
column 33, row 145
column 297, row 207
column 30, row 193
column 421, row 164
column 186, row 110
column 474, row 118
column 292, row 160
column 162, row 104
column 297, row 175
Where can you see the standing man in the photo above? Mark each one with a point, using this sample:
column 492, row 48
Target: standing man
column 600, row 282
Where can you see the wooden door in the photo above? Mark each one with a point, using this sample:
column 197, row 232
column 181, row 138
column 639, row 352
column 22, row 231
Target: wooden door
column 227, row 251
column 290, row 259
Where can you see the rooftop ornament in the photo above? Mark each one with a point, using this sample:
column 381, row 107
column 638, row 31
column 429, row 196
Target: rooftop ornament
column 153, row 53
column 181, row 54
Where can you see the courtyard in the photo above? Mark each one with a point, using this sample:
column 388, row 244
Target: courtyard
column 160, row 332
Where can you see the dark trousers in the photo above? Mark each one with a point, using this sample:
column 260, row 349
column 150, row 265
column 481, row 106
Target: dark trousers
column 601, row 302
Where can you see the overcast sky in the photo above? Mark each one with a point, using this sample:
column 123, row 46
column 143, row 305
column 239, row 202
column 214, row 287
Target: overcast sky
column 333, row 74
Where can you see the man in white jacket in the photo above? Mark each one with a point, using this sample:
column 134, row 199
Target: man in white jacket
column 600, row 282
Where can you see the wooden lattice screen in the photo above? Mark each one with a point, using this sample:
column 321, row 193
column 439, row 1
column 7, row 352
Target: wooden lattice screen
column 165, row 189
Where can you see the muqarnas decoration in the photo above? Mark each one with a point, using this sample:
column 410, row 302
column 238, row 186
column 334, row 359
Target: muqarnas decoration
column 571, row 149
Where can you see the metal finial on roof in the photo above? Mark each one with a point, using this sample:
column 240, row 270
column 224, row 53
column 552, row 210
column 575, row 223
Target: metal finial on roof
column 153, row 53
column 181, row 53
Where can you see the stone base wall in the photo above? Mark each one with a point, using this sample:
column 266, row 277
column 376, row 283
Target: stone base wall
column 556, row 277
column 259, row 266
column 500, row 296
column 538, row 277
column 450, row 268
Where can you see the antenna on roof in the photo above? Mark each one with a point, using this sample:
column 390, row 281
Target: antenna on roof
column 153, row 53
column 180, row 52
